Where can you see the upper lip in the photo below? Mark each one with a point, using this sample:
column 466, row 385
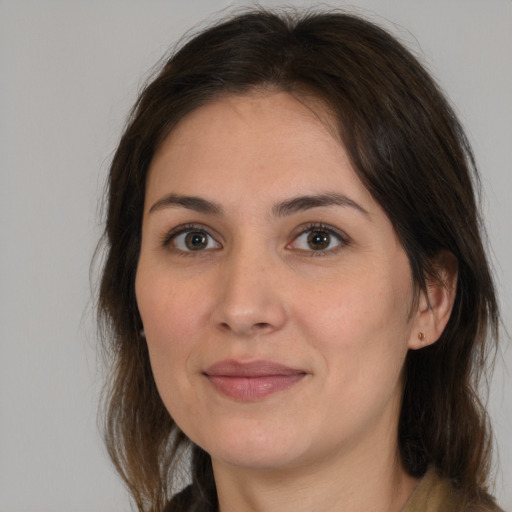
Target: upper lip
column 232, row 368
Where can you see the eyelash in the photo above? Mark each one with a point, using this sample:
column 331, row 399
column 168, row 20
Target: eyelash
column 180, row 230
column 342, row 238
column 318, row 226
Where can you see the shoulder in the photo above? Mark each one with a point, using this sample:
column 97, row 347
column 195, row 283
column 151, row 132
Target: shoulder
column 436, row 494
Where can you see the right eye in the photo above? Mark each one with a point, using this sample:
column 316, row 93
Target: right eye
column 192, row 240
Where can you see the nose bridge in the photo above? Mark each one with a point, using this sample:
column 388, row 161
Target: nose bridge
column 249, row 300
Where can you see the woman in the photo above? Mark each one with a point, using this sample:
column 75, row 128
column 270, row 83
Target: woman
column 295, row 286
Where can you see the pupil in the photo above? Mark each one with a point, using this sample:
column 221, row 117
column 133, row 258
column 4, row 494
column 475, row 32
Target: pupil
column 195, row 241
column 318, row 240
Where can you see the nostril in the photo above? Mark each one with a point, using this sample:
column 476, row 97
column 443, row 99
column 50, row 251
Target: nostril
column 261, row 325
column 224, row 326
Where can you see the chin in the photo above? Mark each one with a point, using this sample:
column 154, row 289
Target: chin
column 269, row 459
column 258, row 451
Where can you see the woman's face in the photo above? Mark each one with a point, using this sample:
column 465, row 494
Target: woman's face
column 275, row 296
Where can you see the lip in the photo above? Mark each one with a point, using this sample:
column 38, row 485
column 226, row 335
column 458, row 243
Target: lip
column 251, row 381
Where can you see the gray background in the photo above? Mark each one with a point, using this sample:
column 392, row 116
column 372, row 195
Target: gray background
column 69, row 72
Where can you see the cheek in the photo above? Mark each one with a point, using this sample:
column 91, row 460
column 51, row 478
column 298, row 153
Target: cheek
column 169, row 320
column 170, row 317
column 364, row 344
column 170, row 306
column 361, row 306
column 361, row 324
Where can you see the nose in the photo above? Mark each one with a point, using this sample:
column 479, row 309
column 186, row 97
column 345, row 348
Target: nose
column 251, row 298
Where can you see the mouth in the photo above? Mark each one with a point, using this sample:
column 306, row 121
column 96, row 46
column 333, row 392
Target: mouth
column 248, row 382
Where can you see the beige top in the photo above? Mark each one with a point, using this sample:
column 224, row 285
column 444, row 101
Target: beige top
column 435, row 494
column 432, row 495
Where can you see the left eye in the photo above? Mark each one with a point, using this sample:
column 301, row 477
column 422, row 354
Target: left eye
column 317, row 239
column 194, row 240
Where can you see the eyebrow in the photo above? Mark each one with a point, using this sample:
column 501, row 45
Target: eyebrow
column 197, row 204
column 281, row 209
column 307, row 202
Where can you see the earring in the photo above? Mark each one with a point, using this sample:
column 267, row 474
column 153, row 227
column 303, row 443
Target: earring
column 142, row 333
column 421, row 336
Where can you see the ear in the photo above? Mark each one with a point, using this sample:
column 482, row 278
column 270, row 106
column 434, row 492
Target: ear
column 434, row 306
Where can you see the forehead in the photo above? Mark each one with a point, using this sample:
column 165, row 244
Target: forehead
column 270, row 143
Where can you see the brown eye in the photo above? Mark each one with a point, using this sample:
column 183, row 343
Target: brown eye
column 194, row 240
column 318, row 240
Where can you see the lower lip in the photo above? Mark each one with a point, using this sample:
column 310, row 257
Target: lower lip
column 249, row 389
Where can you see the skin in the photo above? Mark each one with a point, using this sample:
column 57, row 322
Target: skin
column 258, row 291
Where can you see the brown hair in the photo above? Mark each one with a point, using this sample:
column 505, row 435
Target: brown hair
column 409, row 150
